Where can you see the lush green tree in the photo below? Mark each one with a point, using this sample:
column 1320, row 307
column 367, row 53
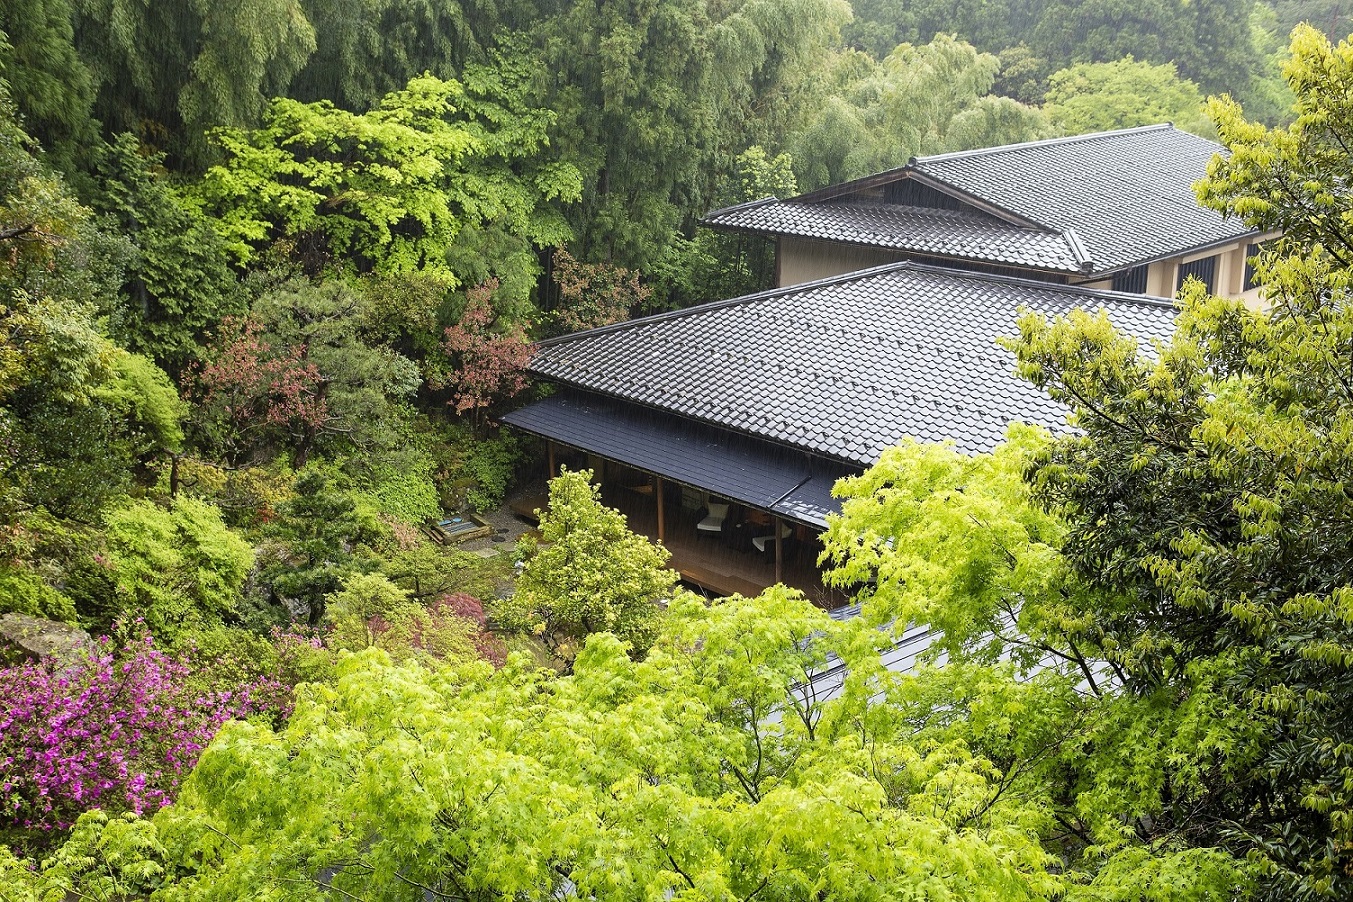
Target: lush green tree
column 655, row 100
column 1205, row 499
column 918, row 100
column 1023, row 75
column 86, row 420
column 365, row 387
column 1097, row 97
column 1288, row 179
column 80, row 417
column 320, row 536
column 715, row 265
column 176, row 567
column 179, row 285
column 587, row 573
column 104, row 858
column 395, row 189
column 1072, row 689
column 48, row 81
column 1210, row 42
column 168, row 72
column 879, row 27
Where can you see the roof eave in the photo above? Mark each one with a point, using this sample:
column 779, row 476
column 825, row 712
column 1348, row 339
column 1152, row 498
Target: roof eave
column 759, row 436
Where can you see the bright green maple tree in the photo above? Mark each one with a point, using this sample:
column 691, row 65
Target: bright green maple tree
column 702, row 772
column 393, row 189
column 587, row 573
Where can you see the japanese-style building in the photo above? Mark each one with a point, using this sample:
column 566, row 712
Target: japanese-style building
column 720, row 429
column 1111, row 210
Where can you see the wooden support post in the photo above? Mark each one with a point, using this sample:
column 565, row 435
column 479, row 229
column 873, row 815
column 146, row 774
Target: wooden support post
column 554, row 471
column 778, row 556
column 657, row 492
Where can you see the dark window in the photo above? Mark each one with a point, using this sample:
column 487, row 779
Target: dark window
column 1251, row 277
column 1204, row 270
column 1133, row 281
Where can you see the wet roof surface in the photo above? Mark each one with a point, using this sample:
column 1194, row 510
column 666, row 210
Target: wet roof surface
column 848, row 366
column 1126, row 197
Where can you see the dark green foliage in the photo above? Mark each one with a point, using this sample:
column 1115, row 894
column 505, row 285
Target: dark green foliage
column 1210, row 41
column 715, row 265
column 654, row 100
column 83, row 420
column 80, row 418
column 489, row 464
column 365, row 387
column 364, row 49
column 1023, row 75
column 179, row 284
column 168, row 72
column 320, row 535
column 1333, row 17
column 48, row 81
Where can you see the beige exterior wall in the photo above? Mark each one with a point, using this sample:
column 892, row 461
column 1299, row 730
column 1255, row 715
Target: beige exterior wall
column 1230, row 281
column 800, row 260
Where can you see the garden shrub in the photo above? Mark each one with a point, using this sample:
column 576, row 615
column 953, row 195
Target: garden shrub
column 177, row 566
column 116, row 730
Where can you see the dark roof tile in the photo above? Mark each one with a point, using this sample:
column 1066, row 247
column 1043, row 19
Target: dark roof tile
column 1117, row 198
column 940, row 233
column 848, row 366
column 1128, row 195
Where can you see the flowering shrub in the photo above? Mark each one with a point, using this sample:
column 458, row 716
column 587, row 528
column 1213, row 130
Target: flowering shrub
column 371, row 611
column 111, row 731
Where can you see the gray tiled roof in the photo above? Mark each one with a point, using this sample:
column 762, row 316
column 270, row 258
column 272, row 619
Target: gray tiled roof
column 1126, row 197
column 847, row 366
column 1127, row 194
column 944, row 233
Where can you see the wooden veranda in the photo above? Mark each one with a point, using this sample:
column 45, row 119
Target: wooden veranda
column 718, row 564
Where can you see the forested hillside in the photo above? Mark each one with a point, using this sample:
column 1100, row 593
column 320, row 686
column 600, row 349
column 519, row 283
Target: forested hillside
column 271, row 270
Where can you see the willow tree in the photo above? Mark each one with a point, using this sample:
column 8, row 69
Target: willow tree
column 924, row 99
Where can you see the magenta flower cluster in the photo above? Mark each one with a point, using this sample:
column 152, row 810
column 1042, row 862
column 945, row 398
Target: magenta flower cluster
column 112, row 731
